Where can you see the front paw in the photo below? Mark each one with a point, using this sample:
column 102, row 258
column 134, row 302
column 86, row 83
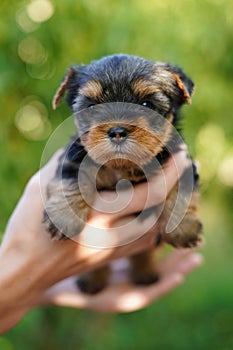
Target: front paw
column 146, row 279
column 187, row 234
column 62, row 229
column 50, row 227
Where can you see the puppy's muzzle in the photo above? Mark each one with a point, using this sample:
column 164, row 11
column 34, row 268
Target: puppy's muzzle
column 118, row 134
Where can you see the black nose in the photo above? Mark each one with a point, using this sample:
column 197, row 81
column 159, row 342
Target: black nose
column 117, row 134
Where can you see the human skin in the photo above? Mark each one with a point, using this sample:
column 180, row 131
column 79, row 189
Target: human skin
column 36, row 270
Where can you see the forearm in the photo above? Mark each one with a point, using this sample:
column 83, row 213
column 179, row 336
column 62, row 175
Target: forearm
column 21, row 287
column 15, row 286
column 21, row 281
column 10, row 317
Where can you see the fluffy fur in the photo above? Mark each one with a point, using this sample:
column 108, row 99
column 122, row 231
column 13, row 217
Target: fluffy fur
column 124, row 145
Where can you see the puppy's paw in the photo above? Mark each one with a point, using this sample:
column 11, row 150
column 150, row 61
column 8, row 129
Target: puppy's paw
column 145, row 279
column 60, row 229
column 187, row 234
column 52, row 229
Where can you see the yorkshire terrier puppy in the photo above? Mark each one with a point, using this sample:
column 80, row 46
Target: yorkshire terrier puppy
column 136, row 123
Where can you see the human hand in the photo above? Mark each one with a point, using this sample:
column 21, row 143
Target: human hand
column 32, row 263
column 121, row 295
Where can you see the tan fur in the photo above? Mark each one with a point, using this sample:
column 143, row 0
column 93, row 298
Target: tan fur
column 143, row 88
column 188, row 232
column 142, row 143
column 92, row 89
column 187, row 97
column 62, row 88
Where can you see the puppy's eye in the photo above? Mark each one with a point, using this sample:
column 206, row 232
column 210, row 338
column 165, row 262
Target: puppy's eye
column 91, row 105
column 148, row 104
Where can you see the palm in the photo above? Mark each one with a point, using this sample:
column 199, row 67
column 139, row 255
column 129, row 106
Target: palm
column 121, row 295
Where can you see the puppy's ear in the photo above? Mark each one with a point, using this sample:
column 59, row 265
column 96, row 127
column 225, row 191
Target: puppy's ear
column 184, row 83
column 69, row 79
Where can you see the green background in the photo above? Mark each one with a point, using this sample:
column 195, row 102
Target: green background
column 35, row 52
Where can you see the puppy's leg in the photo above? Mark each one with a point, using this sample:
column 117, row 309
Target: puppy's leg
column 66, row 211
column 143, row 269
column 188, row 232
column 69, row 195
column 93, row 282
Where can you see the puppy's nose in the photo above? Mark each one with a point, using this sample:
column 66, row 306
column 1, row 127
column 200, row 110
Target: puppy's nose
column 117, row 134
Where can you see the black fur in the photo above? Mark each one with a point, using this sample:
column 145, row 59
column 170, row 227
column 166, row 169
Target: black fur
column 150, row 140
column 117, row 73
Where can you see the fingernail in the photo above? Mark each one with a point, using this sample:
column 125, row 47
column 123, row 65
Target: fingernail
column 178, row 278
column 197, row 259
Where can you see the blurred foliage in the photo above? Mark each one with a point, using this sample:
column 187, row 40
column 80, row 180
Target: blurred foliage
column 39, row 39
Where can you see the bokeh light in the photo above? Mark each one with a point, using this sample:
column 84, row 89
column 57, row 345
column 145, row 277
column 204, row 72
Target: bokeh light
column 40, row 10
column 24, row 22
column 44, row 71
column 31, row 120
column 225, row 171
column 30, row 50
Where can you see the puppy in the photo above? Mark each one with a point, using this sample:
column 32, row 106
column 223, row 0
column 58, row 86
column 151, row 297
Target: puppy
column 126, row 109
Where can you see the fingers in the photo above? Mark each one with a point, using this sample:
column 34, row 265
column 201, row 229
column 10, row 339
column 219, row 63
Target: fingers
column 115, row 298
column 126, row 202
column 143, row 296
column 140, row 297
column 144, row 195
column 125, row 297
column 100, row 233
column 179, row 257
column 186, row 264
column 129, row 201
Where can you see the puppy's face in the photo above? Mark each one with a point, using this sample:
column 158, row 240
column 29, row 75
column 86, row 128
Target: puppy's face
column 125, row 107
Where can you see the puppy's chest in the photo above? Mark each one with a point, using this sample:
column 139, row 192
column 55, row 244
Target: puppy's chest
column 107, row 177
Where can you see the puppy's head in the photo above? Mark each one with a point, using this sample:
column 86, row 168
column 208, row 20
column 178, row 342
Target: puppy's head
column 125, row 106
